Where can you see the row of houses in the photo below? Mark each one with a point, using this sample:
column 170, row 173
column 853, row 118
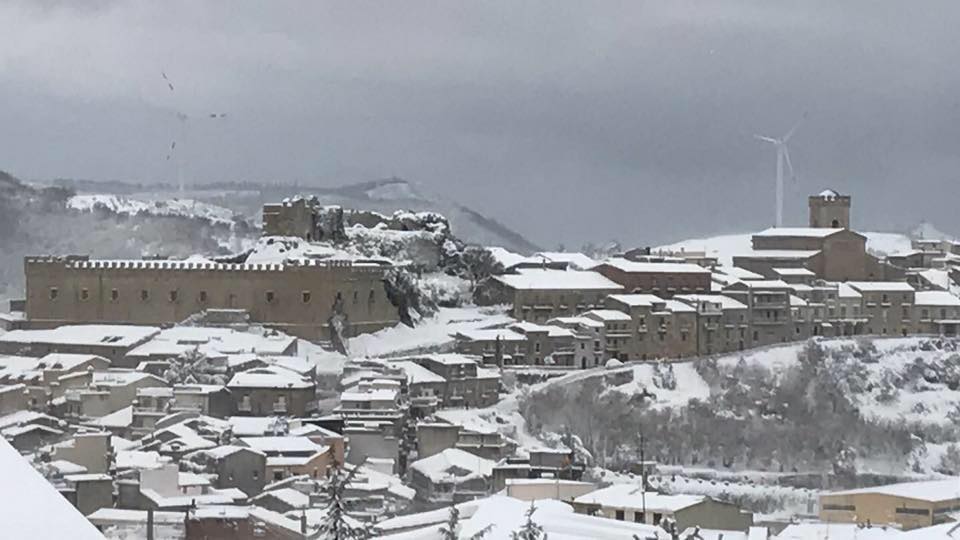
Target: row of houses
column 564, row 326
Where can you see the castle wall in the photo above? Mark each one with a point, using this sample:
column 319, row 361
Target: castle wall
column 297, row 298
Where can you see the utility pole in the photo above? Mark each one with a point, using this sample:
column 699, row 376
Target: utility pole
column 643, row 477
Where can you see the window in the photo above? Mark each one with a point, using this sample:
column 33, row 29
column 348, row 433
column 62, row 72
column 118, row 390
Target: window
column 656, row 518
column 536, row 347
column 114, row 294
column 913, row 511
column 173, row 295
column 277, row 476
column 54, row 293
column 638, row 517
column 371, row 297
column 144, row 295
column 305, row 297
column 925, row 313
column 840, row 507
column 268, row 296
column 620, row 515
column 356, row 297
column 84, row 294
column 202, row 297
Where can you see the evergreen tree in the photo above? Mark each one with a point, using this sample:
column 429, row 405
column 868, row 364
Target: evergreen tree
column 529, row 530
column 450, row 530
column 337, row 524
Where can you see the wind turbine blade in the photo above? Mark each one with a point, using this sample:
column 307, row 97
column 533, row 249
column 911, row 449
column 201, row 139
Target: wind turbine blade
column 794, row 128
column 766, row 139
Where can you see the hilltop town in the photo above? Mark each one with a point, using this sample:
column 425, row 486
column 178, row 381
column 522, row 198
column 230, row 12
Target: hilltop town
column 336, row 372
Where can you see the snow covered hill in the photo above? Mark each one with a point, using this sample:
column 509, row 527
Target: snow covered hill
column 724, row 247
column 127, row 206
column 887, row 406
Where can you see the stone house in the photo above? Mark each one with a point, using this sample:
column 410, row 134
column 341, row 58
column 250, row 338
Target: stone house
column 537, row 295
column 272, row 391
column 663, row 279
column 887, row 306
column 238, row 467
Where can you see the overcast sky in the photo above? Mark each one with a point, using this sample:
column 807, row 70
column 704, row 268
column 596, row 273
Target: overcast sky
column 566, row 121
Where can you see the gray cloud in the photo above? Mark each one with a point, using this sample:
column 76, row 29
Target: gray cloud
column 569, row 121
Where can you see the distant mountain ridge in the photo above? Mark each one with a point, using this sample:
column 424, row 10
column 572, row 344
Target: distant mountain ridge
column 384, row 195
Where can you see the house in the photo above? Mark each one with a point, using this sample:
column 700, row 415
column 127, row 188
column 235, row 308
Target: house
column 212, row 342
column 589, row 338
column 540, row 463
column 909, row 505
column 268, row 391
column 468, row 384
column 723, row 323
column 535, row 489
column 99, row 393
column 112, row 342
column 541, row 294
column 663, row 279
column 291, row 456
column 936, row 312
column 206, row 399
column 770, row 315
column 887, row 306
column 452, row 429
column 629, row 502
column 452, row 475
column 240, row 467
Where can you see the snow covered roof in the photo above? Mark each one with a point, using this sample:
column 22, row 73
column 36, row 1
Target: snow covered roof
column 840, row 531
column 289, row 496
column 654, row 267
column 548, row 280
column 491, row 334
column 135, row 459
column 551, row 330
column 931, row 490
column 828, row 194
column 507, row 258
column 677, row 306
column 844, row 290
column 504, row 515
column 784, row 254
column 805, row 272
column 463, row 465
column 936, row 298
column 269, row 378
column 737, row 272
column 32, row 507
column 113, row 335
column 607, row 315
column 353, row 395
column 213, row 341
column 798, row 232
column 417, row 374
column 119, row 377
column 637, row 300
column 767, row 284
column 576, row 260
column 282, row 445
column 632, row 496
column 797, row 301
column 881, row 286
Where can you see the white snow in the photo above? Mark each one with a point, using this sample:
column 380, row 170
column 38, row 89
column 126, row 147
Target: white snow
column 158, row 207
column 632, row 496
column 690, row 385
column 931, row 491
column 553, row 280
column 434, row 332
column 655, row 267
column 84, row 334
column 453, row 462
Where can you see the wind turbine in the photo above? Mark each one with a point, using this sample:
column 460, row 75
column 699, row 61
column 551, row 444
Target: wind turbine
column 182, row 137
column 783, row 155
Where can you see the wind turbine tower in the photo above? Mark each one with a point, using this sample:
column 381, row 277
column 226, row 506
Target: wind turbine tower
column 783, row 157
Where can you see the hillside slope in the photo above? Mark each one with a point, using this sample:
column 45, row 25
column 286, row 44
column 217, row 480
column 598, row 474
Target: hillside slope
column 385, row 196
column 884, row 406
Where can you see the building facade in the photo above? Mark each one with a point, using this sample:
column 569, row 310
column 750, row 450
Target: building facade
column 297, row 298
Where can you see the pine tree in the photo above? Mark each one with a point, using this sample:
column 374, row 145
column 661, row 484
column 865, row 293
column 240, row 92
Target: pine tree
column 449, row 532
column 337, row 524
column 529, row 530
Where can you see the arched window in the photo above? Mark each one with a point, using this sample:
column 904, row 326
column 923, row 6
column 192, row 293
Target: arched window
column 836, row 224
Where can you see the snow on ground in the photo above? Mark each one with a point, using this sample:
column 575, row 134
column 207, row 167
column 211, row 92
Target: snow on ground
column 432, row 333
column 689, row 385
column 724, row 247
column 277, row 249
column 158, row 207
